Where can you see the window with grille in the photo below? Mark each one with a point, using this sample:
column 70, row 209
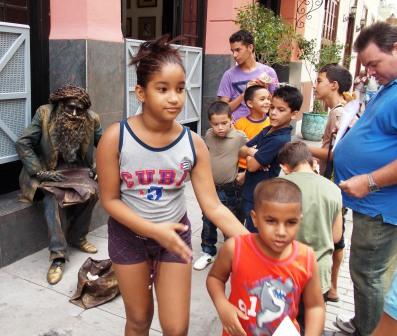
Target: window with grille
column 330, row 20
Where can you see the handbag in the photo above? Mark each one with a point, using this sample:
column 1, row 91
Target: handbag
column 96, row 284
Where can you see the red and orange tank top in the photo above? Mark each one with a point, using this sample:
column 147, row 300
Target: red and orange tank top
column 268, row 289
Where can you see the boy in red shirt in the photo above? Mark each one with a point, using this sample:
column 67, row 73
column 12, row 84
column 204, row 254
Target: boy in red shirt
column 268, row 270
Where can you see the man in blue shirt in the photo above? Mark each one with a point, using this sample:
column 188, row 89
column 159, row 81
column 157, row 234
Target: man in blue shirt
column 366, row 170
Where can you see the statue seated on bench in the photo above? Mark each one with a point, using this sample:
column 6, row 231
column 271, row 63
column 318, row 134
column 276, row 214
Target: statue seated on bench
column 57, row 152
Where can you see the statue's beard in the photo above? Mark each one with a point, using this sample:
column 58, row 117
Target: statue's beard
column 70, row 131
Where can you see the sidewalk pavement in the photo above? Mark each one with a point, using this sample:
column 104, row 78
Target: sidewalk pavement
column 29, row 306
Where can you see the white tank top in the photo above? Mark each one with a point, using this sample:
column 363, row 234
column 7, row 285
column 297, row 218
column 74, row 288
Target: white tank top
column 152, row 179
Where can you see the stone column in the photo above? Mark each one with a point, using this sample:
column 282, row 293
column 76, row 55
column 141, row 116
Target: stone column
column 87, row 48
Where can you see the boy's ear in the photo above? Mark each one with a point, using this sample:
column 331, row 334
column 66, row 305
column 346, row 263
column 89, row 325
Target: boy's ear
column 286, row 168
column 335, row 85
column 249, row 103
column 315, row 165
column 140, row 93
column 294, row 115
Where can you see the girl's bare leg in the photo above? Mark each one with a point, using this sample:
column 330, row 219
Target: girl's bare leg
column 133, row 282
column 173, row 287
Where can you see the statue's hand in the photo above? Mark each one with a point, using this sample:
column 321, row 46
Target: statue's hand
column 50, row 175
column 92, row 174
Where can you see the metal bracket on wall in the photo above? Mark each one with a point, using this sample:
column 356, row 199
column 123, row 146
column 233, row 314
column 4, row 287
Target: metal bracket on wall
column 304, row 10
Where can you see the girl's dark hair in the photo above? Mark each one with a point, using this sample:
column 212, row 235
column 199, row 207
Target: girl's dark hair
column 151, row 57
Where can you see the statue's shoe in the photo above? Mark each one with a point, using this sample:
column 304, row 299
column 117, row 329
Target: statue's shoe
column 55, row 272
column 87, row 247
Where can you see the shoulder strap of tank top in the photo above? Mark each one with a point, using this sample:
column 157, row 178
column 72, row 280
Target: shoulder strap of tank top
column 121, row 133
column 309, row 260
column 191, row 144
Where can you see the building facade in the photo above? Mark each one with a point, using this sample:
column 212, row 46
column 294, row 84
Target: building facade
column 84, row 42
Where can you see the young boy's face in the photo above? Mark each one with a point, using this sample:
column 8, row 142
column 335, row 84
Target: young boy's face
column 323, row 86
column 280, row 113
column 260, row 101
column 277, row 224
column 221, row 124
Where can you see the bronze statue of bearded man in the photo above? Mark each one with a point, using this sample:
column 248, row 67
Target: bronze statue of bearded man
column 57, row 152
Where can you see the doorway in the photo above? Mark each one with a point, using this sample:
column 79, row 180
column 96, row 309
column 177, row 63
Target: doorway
column 273, row 5
column 150, row 19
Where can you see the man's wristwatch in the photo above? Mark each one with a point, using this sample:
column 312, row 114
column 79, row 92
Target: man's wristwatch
column 371, row 184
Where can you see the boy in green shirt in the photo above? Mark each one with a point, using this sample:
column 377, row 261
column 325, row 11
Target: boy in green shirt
column 322, row 207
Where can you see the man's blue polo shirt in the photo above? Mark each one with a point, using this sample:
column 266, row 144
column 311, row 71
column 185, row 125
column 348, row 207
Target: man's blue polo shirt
column 368, row 146
column 268, row 146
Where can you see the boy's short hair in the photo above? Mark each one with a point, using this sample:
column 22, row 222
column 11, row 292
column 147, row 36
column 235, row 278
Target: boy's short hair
column 295, row 153
column 250, row 91
column 277, row 190
column 243, row 36
column 290, row 95
column 339, row 74
column 219, row 107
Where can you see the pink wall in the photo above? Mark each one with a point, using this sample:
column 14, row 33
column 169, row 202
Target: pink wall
column 220, row 24
column 86, row 19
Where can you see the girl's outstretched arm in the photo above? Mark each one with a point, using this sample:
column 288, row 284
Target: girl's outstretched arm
column 108, row 170
column 204, row 188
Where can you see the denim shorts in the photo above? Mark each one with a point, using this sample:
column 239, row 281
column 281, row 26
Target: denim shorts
column 126, row 247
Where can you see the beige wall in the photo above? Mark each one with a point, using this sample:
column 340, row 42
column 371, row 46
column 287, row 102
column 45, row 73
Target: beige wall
column 85, row 20
column 220, row 24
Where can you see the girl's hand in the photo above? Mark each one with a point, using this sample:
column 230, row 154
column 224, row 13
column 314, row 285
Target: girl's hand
column 229, row 315
column 167, row 236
